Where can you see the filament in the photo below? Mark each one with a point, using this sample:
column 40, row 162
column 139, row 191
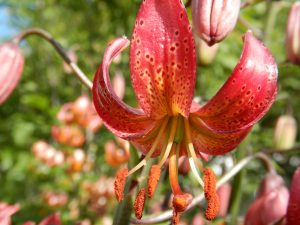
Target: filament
column 166, row 152
column 151, row 151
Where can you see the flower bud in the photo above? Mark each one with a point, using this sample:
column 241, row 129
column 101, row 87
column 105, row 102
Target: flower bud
column 224, row 193
column 207, row 53
column 293, row 34
column 11, row 67
column 285, row 132
column 293, row 211
column 270, row 205
column 270, row 182
column 214, row 20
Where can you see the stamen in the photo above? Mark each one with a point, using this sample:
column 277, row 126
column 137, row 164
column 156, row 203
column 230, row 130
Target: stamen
column 153, row 179
column 210, row 192
column 167, row 150
column 213, row 206
column 151, row 151
column 209, row 183
column 191, row 154
column 190, row 145
column 120, row 183
column 173, row 170
column 140, row 203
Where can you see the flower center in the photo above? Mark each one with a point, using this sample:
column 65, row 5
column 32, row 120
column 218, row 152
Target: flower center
column 178, row 142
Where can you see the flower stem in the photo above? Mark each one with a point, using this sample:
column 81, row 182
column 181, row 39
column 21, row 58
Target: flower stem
column 46, row 36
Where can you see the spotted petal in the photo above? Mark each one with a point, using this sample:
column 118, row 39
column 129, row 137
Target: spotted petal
column 162, row 58
column 210, row 142
column 121, row 119
column 247, row 94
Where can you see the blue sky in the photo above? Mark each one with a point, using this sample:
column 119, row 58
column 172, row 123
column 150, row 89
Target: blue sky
column 6, row 31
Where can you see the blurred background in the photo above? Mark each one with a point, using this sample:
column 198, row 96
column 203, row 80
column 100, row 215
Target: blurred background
column 80, row 188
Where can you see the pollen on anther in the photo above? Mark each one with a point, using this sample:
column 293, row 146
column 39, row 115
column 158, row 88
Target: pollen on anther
column 209, row 183
column 139, row 203
column 213, row 206
column 153, row 179
column 120, row 183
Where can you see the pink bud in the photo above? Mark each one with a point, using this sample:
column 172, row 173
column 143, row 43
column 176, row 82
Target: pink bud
column 285, row 132
column 293, row 34
column 271, row 204
column 270, row 182
column 293, row 211
column 214, row 20
column 11, row 67
column 224, row 193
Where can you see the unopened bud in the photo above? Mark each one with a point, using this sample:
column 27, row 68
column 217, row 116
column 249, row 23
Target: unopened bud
column 293, row 211
column 270, row 205
column 293, row 34
column 224, row 193
column 214, row 20
column 11, row 68
column 270, row 182
column 285, row 132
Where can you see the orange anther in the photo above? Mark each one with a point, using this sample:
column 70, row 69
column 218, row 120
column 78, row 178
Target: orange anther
column 213, row 206
column 139, row 203
column 120, row 183
column 209, row 183
column 153, row 179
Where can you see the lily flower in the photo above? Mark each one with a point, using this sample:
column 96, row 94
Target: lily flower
column 168, row 123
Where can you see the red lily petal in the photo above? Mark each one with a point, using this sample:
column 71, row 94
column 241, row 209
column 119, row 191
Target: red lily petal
column 53, row 219
column 293, row 215
column 162, row 59
column 210, row 142
column 248, row 93
column 11, row 67
column 121, row 119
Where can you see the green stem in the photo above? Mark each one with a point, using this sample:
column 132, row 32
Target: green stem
column 46, row 36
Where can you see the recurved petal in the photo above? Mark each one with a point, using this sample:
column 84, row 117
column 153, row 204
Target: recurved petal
column 162, row 58
column 247, row 94
column 293, row 215
column 11, row 67
column 121, row 119
column 211, row 142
